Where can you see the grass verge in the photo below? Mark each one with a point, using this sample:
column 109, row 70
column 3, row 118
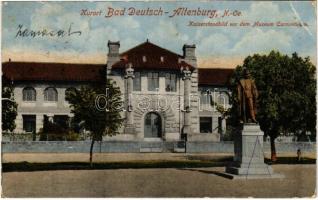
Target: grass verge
column 217, row 162
column 26, row 166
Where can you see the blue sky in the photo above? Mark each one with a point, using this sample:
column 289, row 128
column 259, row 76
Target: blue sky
column 216, row 46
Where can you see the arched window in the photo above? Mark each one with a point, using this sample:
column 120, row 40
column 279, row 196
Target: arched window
column 50, row 94
column 29, row 94
column 223, row 98
column 69, row 90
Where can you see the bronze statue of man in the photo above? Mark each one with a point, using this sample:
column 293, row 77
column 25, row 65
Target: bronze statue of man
column 247, row 97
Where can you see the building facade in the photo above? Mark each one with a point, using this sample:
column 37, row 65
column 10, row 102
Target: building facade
column 166, row 96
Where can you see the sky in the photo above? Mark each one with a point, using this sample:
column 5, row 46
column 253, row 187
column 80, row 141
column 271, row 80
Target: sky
column 216, row 47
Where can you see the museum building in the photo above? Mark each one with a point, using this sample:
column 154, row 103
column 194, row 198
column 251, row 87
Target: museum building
column 166, row 95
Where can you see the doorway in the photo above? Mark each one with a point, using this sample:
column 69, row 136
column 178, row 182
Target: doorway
column 153, row 126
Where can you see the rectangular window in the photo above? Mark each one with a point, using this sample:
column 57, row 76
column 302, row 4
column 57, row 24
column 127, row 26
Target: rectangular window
column 171, row 82
column 29, row 123
column 153, row 81
column 61, row 120
column 137, row 82
column 206, row 99
column 203, row 98
column 205, row 124
column 220, row 128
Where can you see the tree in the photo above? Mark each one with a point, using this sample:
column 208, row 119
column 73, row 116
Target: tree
column 9, row 106
column 287, row 94
column 100, row 118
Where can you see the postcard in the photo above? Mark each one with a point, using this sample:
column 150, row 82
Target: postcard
column 159, row 98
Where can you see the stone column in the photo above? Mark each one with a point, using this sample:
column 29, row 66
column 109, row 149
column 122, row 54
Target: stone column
column 129, row 126
column 162, row 83
column 61, row 97
column 39, row 122
column 39, row 95
column 19, row 124
column 187, row 111
column 190, row 58
column 70, row 117
column 223, row 126
column 215, row 123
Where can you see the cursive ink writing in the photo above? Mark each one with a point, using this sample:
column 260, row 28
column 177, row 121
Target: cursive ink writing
column 59, row 33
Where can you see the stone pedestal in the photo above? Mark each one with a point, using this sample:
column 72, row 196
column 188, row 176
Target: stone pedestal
column 249, row 155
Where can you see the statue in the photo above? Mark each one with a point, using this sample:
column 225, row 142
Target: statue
column 248, row 155
column 247, row 96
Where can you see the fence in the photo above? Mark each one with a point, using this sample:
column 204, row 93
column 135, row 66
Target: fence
column 24, row 137
column 139, row 146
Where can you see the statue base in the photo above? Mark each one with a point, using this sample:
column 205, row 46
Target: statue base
column 249, row 155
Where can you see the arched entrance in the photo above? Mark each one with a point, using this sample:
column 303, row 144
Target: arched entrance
column 152, row 125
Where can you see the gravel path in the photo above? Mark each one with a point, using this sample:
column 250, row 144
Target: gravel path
column 300, row 181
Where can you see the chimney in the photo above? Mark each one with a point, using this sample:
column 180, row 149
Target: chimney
column 113, row 54
column 188, row 51
column 113, row 48
column 189, row 54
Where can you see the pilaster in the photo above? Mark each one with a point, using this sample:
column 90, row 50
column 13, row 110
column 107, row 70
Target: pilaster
column 19, row 124
column 39, row 122
column 129, row 76
column 187, row 105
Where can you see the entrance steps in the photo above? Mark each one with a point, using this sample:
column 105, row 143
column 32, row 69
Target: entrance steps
column 151, row 147
column 180, row 147
column 151, row 150
column 162, row 146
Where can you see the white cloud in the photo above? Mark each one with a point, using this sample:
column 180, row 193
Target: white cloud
column 96, row 39
column 170, row 34
column 198, row 34
column 50, row 9
column 258, row 40
column 266, row 12
column 45, row 16
column 127, row 22
column 128, row 43
column 164, row 30
column 213, row 44
column 102, row 5
column 167, row 34
column 54, row 16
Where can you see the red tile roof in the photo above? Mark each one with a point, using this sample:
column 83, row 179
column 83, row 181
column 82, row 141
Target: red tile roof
column 150, row 56
column 26, row 71
column 215, row 77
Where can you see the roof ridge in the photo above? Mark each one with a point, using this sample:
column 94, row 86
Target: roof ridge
column 52, row 71
column 148, row 42
column 53, row 63
column 132, row 48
